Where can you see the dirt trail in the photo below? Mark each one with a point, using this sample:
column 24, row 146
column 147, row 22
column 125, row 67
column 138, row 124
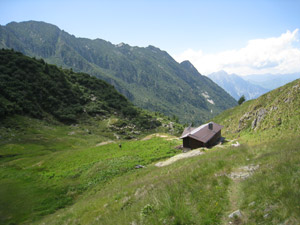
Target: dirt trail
column 155, row 135
column 233, row 195
column 105, row 143
column 180, row 156
column 235, row 192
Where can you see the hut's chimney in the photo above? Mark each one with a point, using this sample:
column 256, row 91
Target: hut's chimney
column 210, row 125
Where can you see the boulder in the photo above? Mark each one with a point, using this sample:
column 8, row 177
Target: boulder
column 260, row 115
column 139, row 166
column 235, row 214
column 237, row 144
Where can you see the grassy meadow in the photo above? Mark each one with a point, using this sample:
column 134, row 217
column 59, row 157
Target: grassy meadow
column 60, row 174
column 198, row 190
column 45, row 167
column 53, row 177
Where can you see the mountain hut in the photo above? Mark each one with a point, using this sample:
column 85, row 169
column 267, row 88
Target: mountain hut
column 204, row 136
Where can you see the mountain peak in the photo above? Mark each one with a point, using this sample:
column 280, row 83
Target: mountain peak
column 153, row 48
column 32, row 24
column 220, row 73
column 122, row 44
column 236, row 86
column 188, row 65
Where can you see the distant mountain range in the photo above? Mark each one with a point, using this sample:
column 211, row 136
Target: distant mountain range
column 272, row 81
column 236, row 86
column 149, row 77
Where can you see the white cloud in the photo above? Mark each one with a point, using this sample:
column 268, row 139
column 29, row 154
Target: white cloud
column 270, row 55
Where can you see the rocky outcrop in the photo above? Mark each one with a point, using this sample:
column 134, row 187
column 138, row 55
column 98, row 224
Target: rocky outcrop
column 243, row 172
column 260, row 115
column 256, row 116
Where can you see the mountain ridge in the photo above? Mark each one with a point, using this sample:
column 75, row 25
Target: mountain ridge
column 236, row 86
column 149, row 77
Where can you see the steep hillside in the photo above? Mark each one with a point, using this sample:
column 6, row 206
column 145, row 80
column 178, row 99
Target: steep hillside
column 274, row 113
column 149, row 77
column 236, row 86
column 34, row 88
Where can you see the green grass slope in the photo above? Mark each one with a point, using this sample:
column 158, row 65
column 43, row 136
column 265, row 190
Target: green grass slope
column 63, row 133
column 53, row 173
column 46, row 167
column 34, row 88
column 274, row 114
column 148, row 77
column 201, row 190
column 198, row 191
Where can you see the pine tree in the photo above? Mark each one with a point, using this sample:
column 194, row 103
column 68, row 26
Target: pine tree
column 241, row 100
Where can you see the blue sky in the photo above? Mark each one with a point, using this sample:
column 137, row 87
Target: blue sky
column 204, row 27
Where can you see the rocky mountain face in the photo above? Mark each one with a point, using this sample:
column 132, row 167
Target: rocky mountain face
column 149, row 77
column 236, row 86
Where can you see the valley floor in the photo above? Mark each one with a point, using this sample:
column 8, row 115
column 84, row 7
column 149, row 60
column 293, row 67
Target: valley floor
column 50, row 175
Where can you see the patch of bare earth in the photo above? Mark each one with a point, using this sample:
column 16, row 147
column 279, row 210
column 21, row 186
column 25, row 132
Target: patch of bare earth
column 165, row 136
column 155, row 135
column 175, row 158
column 105, row 143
